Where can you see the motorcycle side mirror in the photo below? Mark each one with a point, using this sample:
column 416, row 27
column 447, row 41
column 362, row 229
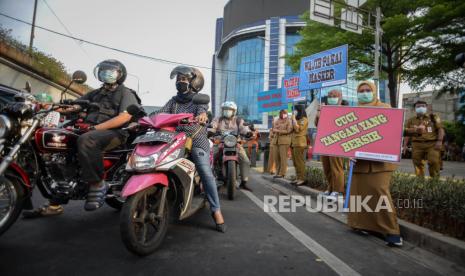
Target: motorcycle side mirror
column 136, row 110
column 79, row 77
column 201, row 99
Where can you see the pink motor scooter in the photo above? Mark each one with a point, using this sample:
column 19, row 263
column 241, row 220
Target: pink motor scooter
column 164, row 185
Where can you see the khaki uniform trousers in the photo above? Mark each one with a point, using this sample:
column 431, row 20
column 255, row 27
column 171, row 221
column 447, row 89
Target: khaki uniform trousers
column 333, row 168
column 420, row 150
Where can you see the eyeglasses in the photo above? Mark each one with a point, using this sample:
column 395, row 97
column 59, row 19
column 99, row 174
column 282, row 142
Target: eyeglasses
column 362, row 91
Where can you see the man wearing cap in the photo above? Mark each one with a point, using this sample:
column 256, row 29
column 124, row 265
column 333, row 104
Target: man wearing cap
column 427, row 133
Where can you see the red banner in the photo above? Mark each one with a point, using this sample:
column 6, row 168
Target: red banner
column 369, row 133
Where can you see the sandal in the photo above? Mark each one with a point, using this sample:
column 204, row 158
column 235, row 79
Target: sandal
column 96, row 197
column 45, row 211
column 220, row 227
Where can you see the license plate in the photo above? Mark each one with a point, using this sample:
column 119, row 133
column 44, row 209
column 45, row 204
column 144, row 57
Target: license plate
column 158, row 136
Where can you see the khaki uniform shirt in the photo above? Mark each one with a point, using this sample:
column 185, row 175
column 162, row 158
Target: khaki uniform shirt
column 286, row 126
column 431, row 130
column 299, row 136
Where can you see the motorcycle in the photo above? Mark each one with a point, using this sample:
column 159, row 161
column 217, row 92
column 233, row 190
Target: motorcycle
column 227, row 159
column 163, row 185
column 46, row 158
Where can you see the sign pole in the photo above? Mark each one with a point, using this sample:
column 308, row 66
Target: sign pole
column 349, row 183
column 377, row 44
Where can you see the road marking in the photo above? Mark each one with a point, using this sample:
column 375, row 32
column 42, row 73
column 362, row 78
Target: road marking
column 331, row 260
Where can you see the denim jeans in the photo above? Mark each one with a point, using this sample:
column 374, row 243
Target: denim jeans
column 202, row 163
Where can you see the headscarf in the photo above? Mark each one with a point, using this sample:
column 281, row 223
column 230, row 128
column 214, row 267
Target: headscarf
column 338, row 93
column 300, row 108
column 184, row 98
column 374, row 89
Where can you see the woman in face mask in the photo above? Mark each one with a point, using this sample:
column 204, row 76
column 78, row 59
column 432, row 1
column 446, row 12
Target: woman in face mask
column 189, row 81
column 282, row 129
column 333, row 167
column 372, row 179
column 299, row 142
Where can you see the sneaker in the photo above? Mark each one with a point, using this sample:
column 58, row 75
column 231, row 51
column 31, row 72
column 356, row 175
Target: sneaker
column 394, row 240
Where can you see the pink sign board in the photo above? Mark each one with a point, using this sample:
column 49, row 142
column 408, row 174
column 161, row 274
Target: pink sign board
column 369, row 133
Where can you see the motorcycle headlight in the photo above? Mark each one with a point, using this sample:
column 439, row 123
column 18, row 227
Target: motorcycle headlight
column 230, row 141
column 5, row 126
column 142, row 163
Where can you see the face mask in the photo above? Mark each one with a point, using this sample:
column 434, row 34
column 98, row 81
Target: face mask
column 182, row 87
column 228, row 113
column 108, row 76
column 333, row 101
column 420, row 110
column 365, row 97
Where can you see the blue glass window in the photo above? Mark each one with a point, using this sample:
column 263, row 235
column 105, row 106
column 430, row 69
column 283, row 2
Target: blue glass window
column 244, row 77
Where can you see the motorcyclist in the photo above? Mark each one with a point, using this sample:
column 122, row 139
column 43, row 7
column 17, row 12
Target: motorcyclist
column 190, row 81
column 228, row 121
column 105, row 121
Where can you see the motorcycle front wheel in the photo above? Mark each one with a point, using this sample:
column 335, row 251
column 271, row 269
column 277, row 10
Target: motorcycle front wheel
column 142, row 230
column 11, row 202
column 231, row 176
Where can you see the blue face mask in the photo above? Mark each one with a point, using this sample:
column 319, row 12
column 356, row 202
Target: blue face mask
column 365, row 97
column 420, row 110
column 333, row 101
column 108, row 76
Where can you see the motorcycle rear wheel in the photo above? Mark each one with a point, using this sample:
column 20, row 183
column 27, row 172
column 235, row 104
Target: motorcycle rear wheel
column 138, row 216
column 11, row 202
column 231, row 177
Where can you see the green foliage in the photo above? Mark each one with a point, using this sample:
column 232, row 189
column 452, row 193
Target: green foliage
column 455, row 132
column 42, row 62
column 440, row 204
column 420, row 40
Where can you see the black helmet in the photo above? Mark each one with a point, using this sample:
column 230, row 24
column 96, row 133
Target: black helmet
column 107, row 65
column 196, row 80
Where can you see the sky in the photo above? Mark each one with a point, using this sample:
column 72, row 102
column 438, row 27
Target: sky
column 178, row 30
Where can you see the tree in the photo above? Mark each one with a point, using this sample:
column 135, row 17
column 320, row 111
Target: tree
column 417, row 34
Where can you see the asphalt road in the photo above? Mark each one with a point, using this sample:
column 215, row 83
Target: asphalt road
column 256, row 243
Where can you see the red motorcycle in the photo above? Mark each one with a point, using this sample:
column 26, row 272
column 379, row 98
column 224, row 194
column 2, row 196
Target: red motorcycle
column 164, row 184
column 33, row 156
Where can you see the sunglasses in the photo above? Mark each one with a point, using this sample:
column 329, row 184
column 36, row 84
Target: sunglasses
column 362, row 91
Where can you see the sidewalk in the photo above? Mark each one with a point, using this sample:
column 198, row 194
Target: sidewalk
column 442, row 245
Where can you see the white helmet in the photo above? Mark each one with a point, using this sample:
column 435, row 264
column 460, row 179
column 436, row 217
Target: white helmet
column 229, row 109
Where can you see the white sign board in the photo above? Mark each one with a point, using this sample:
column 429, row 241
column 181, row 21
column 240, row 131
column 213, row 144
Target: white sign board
column 322, row 11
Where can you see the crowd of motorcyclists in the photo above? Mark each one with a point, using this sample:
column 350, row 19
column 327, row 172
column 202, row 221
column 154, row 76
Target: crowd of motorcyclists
column 106, row 127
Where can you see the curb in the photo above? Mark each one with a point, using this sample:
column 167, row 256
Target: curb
column 437, row 243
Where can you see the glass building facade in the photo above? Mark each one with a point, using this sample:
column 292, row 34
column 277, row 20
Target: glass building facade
column 252, row 62
column 242, row 76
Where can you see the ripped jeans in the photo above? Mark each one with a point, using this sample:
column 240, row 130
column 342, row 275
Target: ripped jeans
column 201, row 160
